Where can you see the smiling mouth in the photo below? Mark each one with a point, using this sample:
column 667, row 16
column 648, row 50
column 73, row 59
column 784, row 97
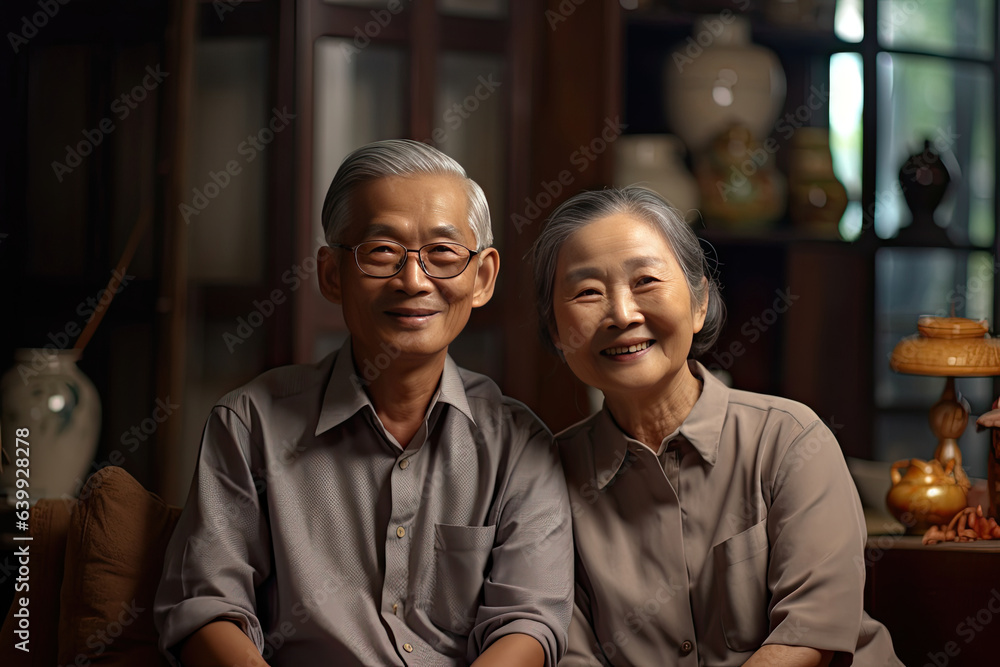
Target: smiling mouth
column 411, row 312
column 627, row 349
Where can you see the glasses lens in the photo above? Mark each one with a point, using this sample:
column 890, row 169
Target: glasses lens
column 380, row 258
column 445, row 260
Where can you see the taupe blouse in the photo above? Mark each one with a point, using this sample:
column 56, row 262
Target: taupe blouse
column 746, row 529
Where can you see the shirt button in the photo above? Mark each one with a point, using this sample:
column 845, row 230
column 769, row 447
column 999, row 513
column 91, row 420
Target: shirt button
column 400, row 531
column 404, row 464
column 686, row 647
column 408, row 648
column 394, row 608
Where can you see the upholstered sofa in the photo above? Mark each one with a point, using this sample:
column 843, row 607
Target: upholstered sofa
column 95, row 564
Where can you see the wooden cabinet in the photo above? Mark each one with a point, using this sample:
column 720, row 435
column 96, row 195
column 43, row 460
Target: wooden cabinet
column 941, row 603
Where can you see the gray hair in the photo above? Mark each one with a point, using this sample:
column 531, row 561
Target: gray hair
column 587, row 207
column 399, row 157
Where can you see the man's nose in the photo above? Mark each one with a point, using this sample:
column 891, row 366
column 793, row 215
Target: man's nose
column 411, row 277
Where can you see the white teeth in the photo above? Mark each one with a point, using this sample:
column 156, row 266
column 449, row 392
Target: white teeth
column 628, row 349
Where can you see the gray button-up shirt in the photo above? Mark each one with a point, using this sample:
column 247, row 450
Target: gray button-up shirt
column 744, row 529
column 330, row 544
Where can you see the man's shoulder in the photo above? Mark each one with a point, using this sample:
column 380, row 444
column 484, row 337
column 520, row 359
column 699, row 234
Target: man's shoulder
column 493, row 409
column 280, row 385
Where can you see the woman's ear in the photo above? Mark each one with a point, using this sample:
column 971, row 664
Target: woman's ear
column 701, row 311
column 554, row 335
column 328, row 261
column 487, row 270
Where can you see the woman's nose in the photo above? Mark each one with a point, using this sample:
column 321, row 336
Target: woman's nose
column 623, row 310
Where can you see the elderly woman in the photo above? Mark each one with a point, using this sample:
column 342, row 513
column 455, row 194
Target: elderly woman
column 712, row 526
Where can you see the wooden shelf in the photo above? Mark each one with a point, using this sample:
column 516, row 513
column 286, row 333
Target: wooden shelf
column 786, row 39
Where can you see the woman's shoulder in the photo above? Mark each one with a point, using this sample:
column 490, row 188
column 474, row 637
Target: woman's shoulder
column 771, row 407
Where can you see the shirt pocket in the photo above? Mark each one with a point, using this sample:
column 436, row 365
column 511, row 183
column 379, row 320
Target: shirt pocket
column 741, row 581
column 460, row 557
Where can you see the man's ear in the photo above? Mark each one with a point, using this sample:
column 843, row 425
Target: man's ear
column 328, row 261
column 486, row 276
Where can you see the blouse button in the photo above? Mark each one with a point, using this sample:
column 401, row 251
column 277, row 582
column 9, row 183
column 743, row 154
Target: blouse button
column 408, row 648
column 404, row 464
column 686, row 647
column 400, row 532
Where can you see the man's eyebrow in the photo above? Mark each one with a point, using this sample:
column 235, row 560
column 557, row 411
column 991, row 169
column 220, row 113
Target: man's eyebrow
column 448, row 230
column 443, row 229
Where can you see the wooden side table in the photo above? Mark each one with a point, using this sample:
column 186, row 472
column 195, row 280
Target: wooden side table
column 941, row 603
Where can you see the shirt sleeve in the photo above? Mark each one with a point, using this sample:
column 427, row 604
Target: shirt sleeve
column 220, row 550
column 529, row 587
column 817, row 534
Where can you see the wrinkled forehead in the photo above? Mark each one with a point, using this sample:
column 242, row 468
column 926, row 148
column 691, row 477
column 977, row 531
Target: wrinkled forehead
column 428, row 204
column 626, row 224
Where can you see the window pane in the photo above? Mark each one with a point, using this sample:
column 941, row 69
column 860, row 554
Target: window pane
column 944, row 26
column 359, row 98
column 224, row 203
column 470, row 123
column 951, row 106
column 911, row 282
column 849, row 20
column 846, row 101
column 474, row 8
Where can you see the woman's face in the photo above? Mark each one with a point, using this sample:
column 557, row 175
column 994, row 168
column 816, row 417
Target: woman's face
column 623, row 311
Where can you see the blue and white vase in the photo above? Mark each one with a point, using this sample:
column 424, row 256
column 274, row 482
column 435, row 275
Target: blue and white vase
column 47, row 394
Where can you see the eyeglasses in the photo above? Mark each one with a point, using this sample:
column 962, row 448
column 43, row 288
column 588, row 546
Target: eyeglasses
column 384, row 259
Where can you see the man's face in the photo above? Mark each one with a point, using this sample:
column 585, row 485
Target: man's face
column 410, row 312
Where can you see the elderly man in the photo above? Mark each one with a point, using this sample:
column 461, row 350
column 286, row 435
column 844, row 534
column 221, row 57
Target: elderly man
column 383, row 506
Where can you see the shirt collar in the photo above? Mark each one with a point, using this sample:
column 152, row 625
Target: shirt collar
column 345, row 394
column 702, row 428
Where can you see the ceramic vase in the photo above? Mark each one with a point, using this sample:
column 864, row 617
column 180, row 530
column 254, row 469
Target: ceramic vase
column 924, row 494
column 816, row 199
column 656, row 161
column 47, row 394
column 741, row 190
column 718, row 78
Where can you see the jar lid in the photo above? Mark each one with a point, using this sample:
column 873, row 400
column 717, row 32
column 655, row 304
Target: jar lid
column 948, row 346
